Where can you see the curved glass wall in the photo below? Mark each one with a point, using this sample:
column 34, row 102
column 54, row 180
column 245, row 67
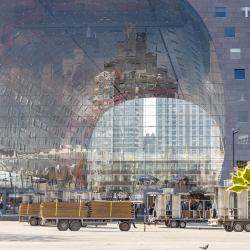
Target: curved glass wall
column 65, row 63
column 164, row 138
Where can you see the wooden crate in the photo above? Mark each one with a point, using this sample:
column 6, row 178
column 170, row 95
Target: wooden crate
column 92, row 209
column 64, row 210
column 111, row 209
column 26, row 209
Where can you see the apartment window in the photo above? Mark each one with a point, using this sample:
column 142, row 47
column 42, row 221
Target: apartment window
column 235, row 53
column 243, row 96
column 229, row 32
column 241, row 163
column 220, row 12
column 245, row 11
column 243, row 139
column 239, row 74
column 243, row 116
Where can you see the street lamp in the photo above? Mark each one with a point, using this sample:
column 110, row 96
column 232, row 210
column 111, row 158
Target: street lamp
column 235, row 131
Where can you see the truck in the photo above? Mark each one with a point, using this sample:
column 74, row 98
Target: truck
column 177, row 210
column 232, row 210
column 30, row 212
column 29, row 209
column 74, row 215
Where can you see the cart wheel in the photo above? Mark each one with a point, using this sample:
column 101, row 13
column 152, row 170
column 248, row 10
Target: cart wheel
column 238, row 227
column 75, row 225
column 63, row 225
column 124, row 226
column 228, row 228
column 40, row 222
column 247, row 227
column 183, row 224
column 174, row 224
column 33, row 221
column 167, row 223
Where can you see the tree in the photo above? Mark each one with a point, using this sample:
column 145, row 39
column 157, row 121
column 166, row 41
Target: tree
column 241, row 181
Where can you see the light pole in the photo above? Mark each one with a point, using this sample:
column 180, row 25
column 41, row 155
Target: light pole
column 235, row 131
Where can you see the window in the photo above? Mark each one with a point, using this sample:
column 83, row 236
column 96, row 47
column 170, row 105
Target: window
column 239, row 74
column 235, row 53
column 245, row 11
column 243, row 139
column 243, row 116
column 229, row 32
column 220, row 12
column 241, row 163
column 243, row 96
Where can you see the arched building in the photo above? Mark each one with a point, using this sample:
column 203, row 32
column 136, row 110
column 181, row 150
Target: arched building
column 65, row 63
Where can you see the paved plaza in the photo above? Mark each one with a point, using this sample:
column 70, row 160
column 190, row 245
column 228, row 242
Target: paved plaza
column 15, row 235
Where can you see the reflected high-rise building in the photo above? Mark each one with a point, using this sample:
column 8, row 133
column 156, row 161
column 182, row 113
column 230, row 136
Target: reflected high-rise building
column 184, row 142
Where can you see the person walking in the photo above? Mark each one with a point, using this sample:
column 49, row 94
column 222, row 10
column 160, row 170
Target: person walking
column 1, row 208
column 214, row 210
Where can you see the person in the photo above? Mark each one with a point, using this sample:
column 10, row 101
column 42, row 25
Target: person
column 199, row 208
column 1, row 208
column 214, row 210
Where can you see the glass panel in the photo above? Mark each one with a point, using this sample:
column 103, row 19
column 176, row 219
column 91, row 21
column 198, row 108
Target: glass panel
column 229, row 32
column 239, row 74
column 235, row 53
column 220, row 11
column 245, row 11
column 243, row 116
column 243, row 139
column 160, row 137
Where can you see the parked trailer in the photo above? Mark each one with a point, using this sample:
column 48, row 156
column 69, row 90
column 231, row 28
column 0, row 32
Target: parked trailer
column 177, row 210
column 74, row 215
column 30, row 212
column 232, row 211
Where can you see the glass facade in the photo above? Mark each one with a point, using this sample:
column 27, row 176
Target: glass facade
column 66, row 65
column 164, row 138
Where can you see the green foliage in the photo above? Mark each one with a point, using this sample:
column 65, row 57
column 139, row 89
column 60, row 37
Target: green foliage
column 238, row 188
column 238, row 180
column 241, row 181
column 246, row 174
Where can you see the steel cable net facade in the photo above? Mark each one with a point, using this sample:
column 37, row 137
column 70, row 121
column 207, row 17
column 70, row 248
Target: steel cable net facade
column 65, row 63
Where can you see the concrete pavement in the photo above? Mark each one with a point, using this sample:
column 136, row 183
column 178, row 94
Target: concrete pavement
column 15, row 235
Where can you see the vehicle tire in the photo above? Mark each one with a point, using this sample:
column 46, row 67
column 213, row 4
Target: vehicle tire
column 84, row 225
column 75, row 225
column 40, row 222
column 124, row 226
column 63, row 225
column 174, row 224
column 167, row 223
column 238, row 227
column 228, row 228
column 247, row 227
column 33, row 221
column 183, row 224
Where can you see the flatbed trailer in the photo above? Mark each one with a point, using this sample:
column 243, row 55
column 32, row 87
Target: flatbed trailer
column 232, row 211
column 73, row 216
column 177, row 210
column 237, row 225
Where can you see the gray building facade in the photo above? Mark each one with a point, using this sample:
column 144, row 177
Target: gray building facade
column 233, row 51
